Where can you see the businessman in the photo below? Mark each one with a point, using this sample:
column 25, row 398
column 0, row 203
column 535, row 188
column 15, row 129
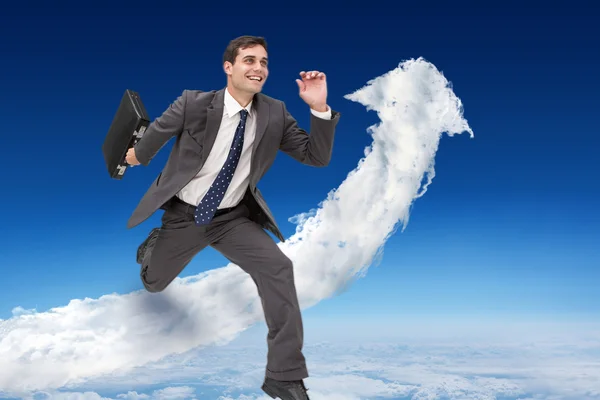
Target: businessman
column 226, row 140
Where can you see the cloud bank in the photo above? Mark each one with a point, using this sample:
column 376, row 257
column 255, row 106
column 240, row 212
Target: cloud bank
column 333, row 245
column 520, row 361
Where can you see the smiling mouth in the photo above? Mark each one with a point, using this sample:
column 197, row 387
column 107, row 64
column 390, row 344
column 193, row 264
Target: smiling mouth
column 255, row 78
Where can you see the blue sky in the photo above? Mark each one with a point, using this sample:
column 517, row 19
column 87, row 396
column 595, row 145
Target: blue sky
column 497, row 266
column 509, row 225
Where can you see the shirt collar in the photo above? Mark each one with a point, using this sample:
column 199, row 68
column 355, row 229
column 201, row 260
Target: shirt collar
column 232, row 107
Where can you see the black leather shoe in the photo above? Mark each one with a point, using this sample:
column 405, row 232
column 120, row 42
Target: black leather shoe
column 285, row 390
column 142, row 248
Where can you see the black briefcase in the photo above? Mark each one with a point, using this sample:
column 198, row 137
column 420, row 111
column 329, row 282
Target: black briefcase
column 127, row 128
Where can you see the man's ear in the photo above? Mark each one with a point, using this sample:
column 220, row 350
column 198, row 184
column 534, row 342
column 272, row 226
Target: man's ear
column 227, row 66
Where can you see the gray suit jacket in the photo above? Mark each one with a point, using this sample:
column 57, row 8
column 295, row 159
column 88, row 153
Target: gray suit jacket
column 194, row 119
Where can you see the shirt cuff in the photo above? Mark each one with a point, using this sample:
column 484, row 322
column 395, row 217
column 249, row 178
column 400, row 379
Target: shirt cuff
column 322, row 114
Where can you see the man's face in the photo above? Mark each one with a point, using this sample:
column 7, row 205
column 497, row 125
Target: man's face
column 250, row 71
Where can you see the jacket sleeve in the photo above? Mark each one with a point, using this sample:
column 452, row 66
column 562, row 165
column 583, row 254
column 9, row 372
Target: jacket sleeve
column 168, row 125
column 312, row 149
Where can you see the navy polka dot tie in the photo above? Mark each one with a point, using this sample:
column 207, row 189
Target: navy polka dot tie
column 208, row 206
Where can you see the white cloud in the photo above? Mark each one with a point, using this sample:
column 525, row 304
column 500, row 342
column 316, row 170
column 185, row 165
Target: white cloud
column 21, row 311
column 92, row 337
column 529, row 364
column 168, row 393
column 174, row 393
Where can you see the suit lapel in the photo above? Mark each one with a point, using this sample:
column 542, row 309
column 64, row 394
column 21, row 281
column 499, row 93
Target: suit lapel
column 262, row 120
column 213, row 122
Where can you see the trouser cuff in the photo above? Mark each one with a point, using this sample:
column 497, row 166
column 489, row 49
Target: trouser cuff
column 290, row 375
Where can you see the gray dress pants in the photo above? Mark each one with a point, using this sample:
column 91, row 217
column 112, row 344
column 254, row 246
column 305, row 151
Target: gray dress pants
column 246, row 244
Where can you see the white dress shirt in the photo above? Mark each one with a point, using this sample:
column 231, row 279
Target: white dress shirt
column 195, row 190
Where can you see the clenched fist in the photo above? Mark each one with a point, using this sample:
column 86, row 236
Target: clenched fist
column 130, row 157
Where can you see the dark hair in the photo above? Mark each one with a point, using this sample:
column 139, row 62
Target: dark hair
column 242, row 42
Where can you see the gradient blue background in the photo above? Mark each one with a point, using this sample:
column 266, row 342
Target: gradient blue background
column 508, row 227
